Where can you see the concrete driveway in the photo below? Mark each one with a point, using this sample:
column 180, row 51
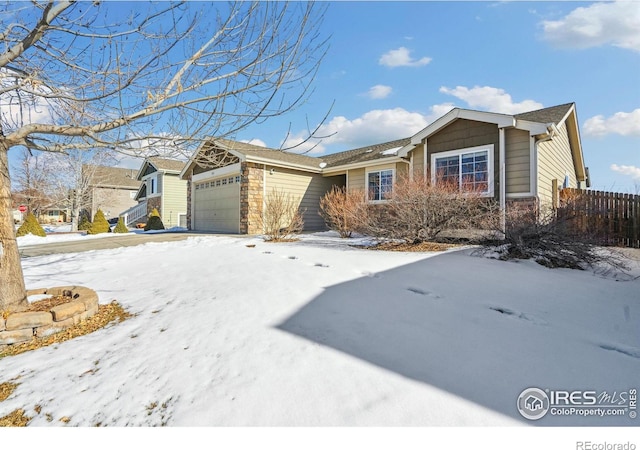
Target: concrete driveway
column 126, row 240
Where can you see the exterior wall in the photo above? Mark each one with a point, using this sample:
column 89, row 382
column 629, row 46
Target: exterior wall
column 464, row 133
column 251, row 198
column 155, row 202
column 518, row 161
column 305, row 188
column 112, row 201
column 174, row 199
column 418, row 161
column 554, row 161
column 189, row 202
column 355, row 179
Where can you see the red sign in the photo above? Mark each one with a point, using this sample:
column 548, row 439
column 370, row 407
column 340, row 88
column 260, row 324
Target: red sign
column 22, row 208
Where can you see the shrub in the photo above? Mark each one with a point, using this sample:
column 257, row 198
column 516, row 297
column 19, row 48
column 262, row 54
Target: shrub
column 154, row 222
column 30, row 226
column 418, row 210
column 341, row 210
column 120, row 227
column 100, row 224
column 84, row 224
column 548, row 238
column 281, row 218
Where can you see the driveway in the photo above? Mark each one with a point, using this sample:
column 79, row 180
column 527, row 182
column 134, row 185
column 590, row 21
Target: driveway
column 126, row 240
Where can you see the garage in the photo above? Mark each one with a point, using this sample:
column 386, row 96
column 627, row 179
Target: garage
column 217, row 204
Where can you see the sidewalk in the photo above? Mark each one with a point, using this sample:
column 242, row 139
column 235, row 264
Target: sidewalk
column 127, row 240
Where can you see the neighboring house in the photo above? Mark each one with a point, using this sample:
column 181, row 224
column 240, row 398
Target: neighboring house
column 111, row 189
column 535, row 153
column 161, row 188
column 53, row 215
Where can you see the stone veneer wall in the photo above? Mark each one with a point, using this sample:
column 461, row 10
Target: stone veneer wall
column 523, row 205
column 251, row 198
column 154, row 202
column 21, row 327
column 189, row 225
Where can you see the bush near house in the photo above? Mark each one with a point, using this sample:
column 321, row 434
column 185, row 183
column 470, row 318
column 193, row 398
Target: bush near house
column 100, row 224
column 154, row 222
column 120, row 226
column 341, row 210
column 30, row 226
column 281, row 219
column 549, row 238
column 418, row 210
column 84, row 224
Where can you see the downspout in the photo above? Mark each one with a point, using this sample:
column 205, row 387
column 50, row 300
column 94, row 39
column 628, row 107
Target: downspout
column 503, row 184
column 264, row 194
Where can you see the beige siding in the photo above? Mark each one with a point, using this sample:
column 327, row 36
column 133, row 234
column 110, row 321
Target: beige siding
column 174, row 198
column 518, row 162
column 306, row 188
column 111, row 201
column 355, row 179
column 402, row 170
column 418, row 161
column 554, row 161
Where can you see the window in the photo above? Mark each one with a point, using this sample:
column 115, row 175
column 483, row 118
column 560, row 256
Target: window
column 230, row 180
column 153, row 186
column 380, row 184
column 471, row 169
column 224, row 181
column 217, row 183
column 238, row 179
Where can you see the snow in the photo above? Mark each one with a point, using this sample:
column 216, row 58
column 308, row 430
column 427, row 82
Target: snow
column 234, row 331
column 57, row 236
column 391, row 151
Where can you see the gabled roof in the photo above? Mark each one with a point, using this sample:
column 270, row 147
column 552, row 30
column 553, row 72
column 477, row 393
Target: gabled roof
column 264, row 153
column 162, row 165
column 554, row 114
column 364, row 154
column 111, row 177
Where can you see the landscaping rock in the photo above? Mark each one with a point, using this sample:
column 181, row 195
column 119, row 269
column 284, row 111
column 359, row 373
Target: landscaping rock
column 29, row 320
column 66, row 310
column 15, row 336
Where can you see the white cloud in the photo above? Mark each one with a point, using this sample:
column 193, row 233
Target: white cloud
column 616, row 23
column 626, row 124
column 491, row 99
column 379, row 91
column 379, row 125
column 258, row 142
column 401, row 57
column 632, row 171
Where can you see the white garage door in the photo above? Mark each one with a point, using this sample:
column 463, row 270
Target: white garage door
column 217, row 205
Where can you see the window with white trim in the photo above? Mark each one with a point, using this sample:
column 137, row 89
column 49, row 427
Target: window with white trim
column 471, row 169
column 380, row 184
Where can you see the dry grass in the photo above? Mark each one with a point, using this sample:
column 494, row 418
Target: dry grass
column 6, row 389
column 105, row 315
column 15, row 419
column 406, row 247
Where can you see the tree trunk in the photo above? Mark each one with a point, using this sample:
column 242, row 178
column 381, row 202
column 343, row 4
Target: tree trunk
column 12, row 291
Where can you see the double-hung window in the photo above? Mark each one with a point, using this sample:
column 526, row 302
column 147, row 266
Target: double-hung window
column 470, row 169
column 380, row 184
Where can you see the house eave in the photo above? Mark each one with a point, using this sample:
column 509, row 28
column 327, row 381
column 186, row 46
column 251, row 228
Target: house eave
column 363, row 164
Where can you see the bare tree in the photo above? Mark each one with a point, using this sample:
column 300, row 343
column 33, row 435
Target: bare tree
column 33, row 183
column 79, row 75
column 281, row 218
column 343, row 209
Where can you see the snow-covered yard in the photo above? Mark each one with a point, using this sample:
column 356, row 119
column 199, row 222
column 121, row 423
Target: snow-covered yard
column 235, row 331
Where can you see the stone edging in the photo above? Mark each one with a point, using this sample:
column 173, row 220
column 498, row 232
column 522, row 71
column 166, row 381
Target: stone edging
column 21, row 327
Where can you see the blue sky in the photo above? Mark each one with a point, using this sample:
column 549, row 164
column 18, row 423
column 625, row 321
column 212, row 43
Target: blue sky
column 393, row 67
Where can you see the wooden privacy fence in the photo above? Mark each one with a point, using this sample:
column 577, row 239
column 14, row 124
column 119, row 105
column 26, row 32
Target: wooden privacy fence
column 610, row 218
